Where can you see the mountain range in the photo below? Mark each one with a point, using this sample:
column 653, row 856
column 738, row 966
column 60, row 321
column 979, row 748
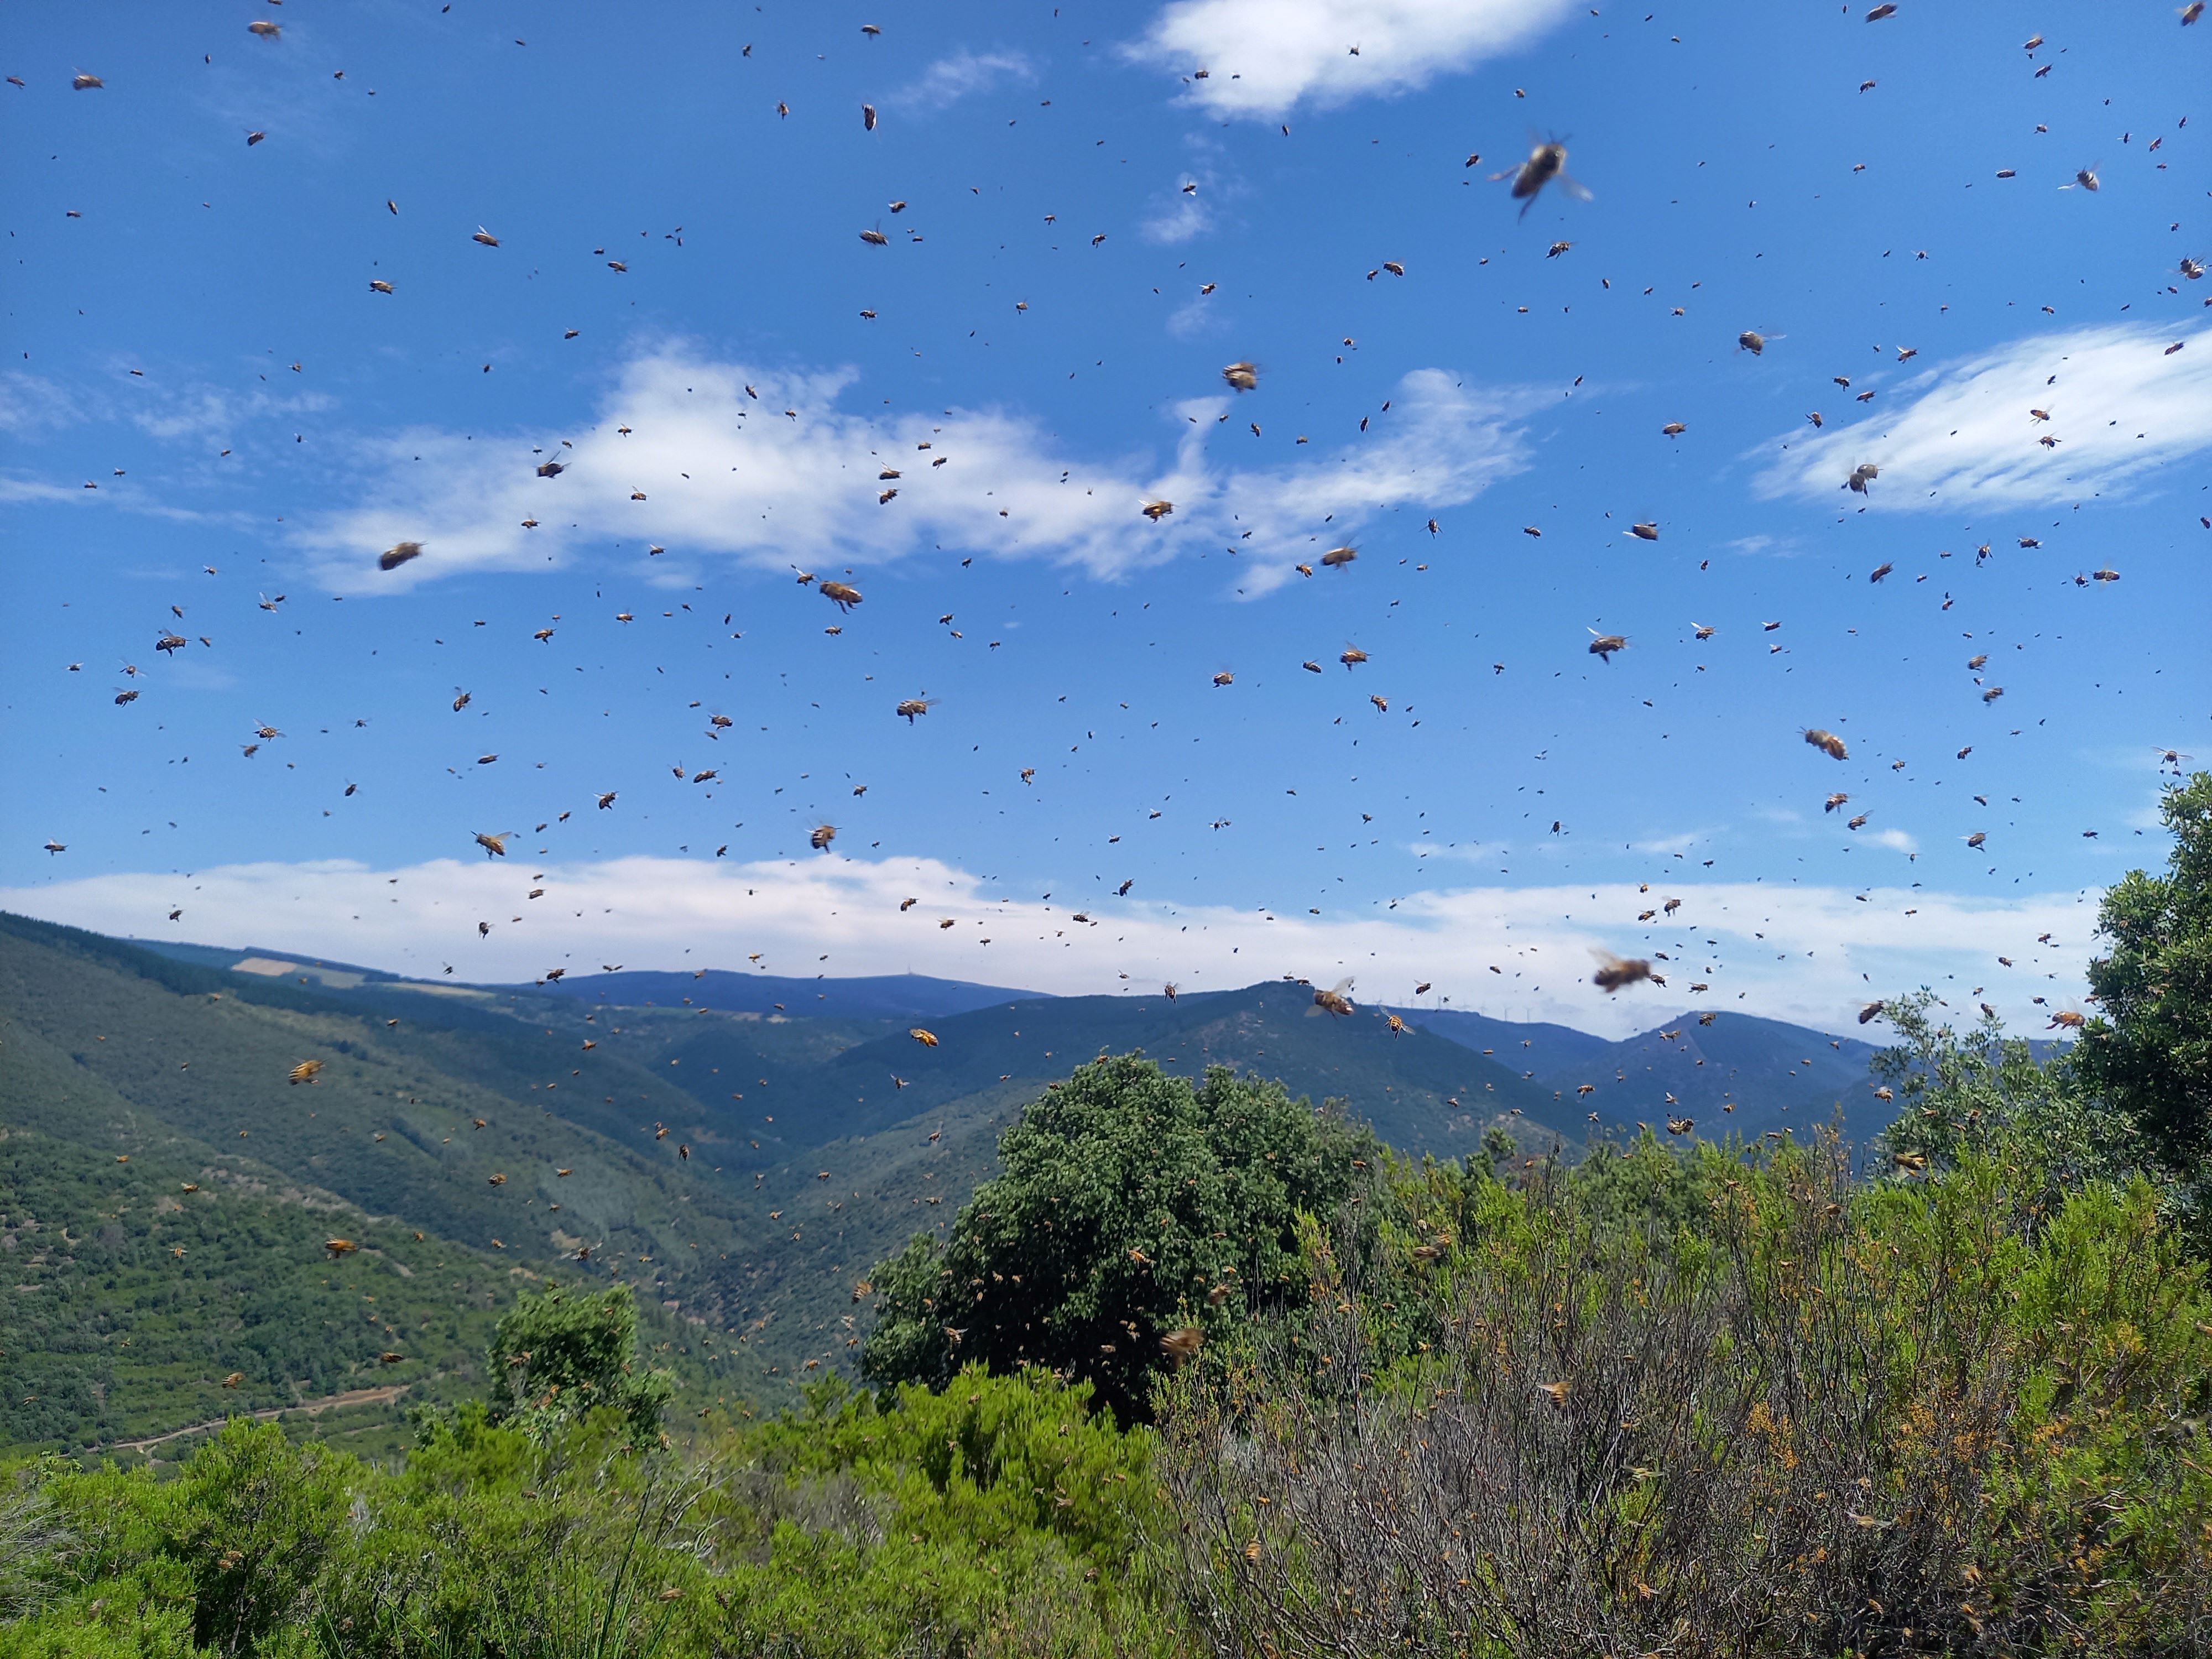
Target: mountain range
column 182, row 1127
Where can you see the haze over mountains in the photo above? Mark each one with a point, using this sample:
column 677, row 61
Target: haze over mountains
column 740, row 1149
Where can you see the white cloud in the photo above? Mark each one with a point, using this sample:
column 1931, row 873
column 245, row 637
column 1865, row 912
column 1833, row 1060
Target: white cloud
column 765, row 468
column 953, row 78
column 2119, row 404
column 1807, row 954
column 1896, row 839
column 1264, row 57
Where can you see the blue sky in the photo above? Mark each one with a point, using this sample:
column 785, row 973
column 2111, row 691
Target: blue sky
column 191, row 328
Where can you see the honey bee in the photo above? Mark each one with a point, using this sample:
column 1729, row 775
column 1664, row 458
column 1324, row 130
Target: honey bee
column 305, row 1071
column 868, row 118
column 1303, row 569
column 1647, row 531
column 398, row 554
column 1422, row 990
column 1826, row 742
column 495, row 846
column 1337, row 557
column 1334, row 1000
column 1398, row 1027
column 875, row 238
column 1674, row 429
column 908, row 708
column 484, row 237
column 171, row 642
column 1977, row 838
column 377, row 285
column 1168, row 990
column 1545, row 162
column 839, row 594
column 1751, row 340
column 606, row 800
column 1225, row 677
column 1158, row 510
column 1834, row 801
column 2087, row 178
column 1555, row 1392
column 822, row 835
column 233, row 1379
column 1614, row 972
column 1183, row 1343
column 1381, row 704
column 1680, row 1126
column 264, row 28
column 1861, row 475
column 82, row 82
column 2065, row 1019
column 927, row 1039
column 1858, row 822
column 1704, row 630
column 1351, row 654
column 339, row 1247
column 1602, row 645
column 1243, row 376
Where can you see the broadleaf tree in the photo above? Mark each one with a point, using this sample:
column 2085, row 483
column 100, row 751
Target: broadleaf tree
column 1131, row 1203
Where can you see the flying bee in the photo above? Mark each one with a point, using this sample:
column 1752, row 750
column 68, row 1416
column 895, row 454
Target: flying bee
column 1398, row 1027
column 1546, row 161
column 339, row 1247
column 1225, row 677
column 1350, row 655
column 1704, row 630
column 171, row 642
column 1422, row 990
column 910, row 707
column 1337, row 557
column 822, row 835
column 1645, row 532
column 461, row 699
column 1834, row 801
column 1826, row 742
column 875, row 238
column 1335, row 1000
column 1977, row 838
column 1243, row 376
column 2065, row 1019
column 1861, row 475
column 398, row 554
column 1602, row 645
column 305, row 1071
column 839, row 594
column 1303, row 569
column 125, row 697
column 2087, row 178
column 927, row 1039
column 1183, row 1343
column 1158, row 510
column 1170, row 989
column 1381, row 704
column 1614, row 972
column 1880, row 571
column 1674, row 429
column 495, row 846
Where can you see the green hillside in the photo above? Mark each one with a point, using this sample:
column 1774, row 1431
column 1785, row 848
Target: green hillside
column 741, row 1170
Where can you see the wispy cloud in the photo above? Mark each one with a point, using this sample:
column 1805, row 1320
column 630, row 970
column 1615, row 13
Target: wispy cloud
column 950, row 79
column 2119, row 403
column 715, row 458
column 1809, row 954
column 1262, row 57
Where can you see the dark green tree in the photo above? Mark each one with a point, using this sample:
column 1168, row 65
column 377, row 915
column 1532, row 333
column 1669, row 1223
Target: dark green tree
column 562, row 1353
column 2148, row 1053
column 1130, row 1205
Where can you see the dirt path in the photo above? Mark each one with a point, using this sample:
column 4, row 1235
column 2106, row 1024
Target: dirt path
column 312, row 1407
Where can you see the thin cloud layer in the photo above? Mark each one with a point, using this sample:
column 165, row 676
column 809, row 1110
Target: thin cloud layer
column 1263, row 57
column 956, row 77
column 707, row 458
column 2115, row 403
column 1812, row 954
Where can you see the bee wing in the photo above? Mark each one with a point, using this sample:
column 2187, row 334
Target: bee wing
column 1574, row 187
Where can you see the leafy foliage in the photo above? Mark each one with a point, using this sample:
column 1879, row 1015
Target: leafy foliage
column 559, row 1353
column 1130, row 1204
column 2148, row 1054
